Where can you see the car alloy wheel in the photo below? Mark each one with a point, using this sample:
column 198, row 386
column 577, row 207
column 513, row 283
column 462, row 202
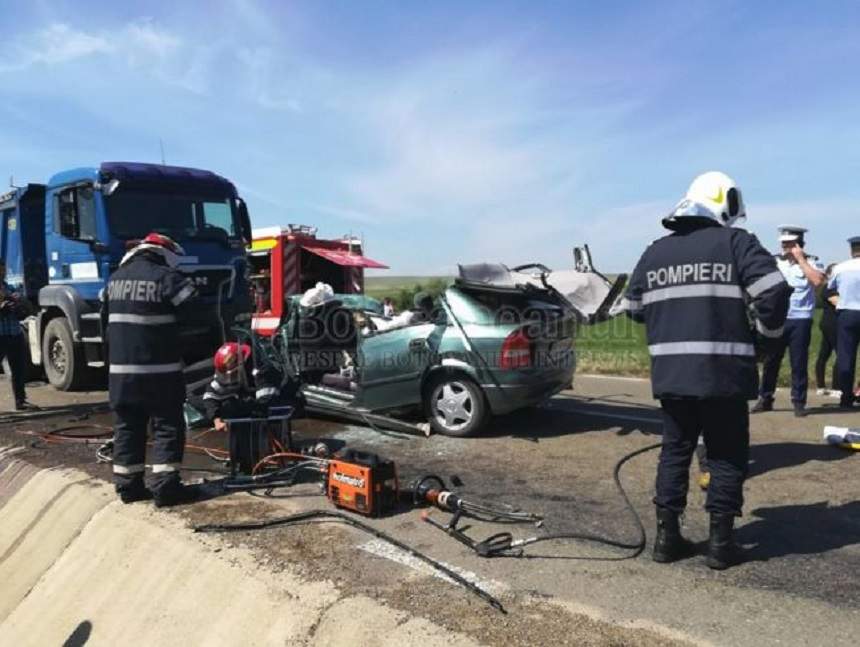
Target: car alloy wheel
column 453, row 406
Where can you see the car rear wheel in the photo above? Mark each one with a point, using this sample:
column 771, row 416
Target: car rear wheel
column 455, row 406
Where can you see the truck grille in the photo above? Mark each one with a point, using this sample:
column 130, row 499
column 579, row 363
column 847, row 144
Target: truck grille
column 208, row 279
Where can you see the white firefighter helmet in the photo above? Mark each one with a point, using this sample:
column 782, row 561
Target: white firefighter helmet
column 712, row 195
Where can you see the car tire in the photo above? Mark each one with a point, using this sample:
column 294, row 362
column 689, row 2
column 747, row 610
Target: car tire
column 64, row 362
column 455, row 406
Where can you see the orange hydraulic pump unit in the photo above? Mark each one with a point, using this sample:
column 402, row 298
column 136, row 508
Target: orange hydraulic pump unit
column 362, row 482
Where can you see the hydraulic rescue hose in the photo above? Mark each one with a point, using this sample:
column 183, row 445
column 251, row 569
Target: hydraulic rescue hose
column 503, row 544
column 342, row 517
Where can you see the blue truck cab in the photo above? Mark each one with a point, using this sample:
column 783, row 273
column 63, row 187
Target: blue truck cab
column 61, row 242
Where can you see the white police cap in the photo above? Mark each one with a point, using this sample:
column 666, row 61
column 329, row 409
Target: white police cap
column 791, row 233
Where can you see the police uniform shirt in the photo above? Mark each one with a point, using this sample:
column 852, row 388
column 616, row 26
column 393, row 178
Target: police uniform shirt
column 846, row 281
column 802, row 302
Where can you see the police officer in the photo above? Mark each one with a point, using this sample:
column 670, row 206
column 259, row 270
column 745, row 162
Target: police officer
column 846, row 282
column 142, row 301
column 691, row 288
column 804, row 274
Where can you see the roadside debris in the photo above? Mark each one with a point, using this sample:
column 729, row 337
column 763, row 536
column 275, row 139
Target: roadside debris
column 844, row 437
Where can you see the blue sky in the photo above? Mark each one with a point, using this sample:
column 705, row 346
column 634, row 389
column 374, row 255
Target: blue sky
column 450, row 132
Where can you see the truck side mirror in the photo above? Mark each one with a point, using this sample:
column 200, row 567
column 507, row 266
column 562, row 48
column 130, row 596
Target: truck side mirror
column 245, row 221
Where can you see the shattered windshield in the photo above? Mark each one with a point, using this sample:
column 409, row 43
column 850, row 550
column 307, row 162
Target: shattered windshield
column 134, row 214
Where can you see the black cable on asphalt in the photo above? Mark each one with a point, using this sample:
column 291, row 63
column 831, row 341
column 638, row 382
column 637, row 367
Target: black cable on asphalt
column 342, row 517
column 502, row 544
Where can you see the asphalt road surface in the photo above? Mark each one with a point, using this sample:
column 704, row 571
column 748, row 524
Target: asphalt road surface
column 801, row 524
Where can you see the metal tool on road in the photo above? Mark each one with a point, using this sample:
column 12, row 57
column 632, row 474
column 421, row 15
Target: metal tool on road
column 431, row 490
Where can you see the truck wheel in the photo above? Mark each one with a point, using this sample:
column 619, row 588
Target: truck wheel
column 64, row 362
column 455, row 406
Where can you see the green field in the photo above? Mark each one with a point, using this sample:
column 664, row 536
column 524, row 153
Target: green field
column 401, row 289
column 613, row 347
column 618, row 346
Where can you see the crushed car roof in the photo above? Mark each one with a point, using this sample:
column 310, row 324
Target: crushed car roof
column 585, row 291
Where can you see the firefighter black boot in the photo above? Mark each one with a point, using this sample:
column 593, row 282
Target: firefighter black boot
column 133, row 492
column 670, row 545
column 722, row 550
column 763, row 404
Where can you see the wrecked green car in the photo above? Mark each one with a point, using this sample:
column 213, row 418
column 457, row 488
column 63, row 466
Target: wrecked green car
column 496, row 340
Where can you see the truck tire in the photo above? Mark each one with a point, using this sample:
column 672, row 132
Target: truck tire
column 64, row 362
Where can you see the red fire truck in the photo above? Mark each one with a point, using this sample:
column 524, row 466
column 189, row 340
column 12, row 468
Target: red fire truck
column 289, row 260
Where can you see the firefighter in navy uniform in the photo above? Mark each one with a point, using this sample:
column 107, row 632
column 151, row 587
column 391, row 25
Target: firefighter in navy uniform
column 692, row 289
column 143, row 302
column 238, row 389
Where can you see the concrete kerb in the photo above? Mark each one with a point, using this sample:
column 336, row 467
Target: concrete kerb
column 72, row 558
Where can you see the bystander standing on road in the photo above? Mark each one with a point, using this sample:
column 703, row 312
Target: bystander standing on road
column 846, row 283
column 13, row 306
column 804, row 274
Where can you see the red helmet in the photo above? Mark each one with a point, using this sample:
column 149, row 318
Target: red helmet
column 228, row 362
column 160, row 240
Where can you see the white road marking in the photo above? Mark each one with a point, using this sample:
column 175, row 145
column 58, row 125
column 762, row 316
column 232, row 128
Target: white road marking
column 614, row 377
column 382, row 548
column 619, row 416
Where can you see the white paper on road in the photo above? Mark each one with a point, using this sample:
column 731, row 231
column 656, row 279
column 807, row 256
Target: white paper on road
column 841, row 435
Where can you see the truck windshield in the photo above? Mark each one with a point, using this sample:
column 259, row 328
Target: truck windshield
column 134, row 214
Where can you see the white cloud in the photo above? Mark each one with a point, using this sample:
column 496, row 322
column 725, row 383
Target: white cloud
column 265, row 86
column 458, row 135
column 56, row 44
column 146, row 39
column 141, row 44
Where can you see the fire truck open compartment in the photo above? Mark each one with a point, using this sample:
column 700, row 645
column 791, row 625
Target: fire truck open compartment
column 315, row 269
column 285, row 261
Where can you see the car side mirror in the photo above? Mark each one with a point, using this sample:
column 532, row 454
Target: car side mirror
column 582, row 259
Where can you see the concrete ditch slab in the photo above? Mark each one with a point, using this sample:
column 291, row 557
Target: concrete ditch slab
column 74, row 561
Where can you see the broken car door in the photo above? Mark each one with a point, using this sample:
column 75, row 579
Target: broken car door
column 392, row 364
